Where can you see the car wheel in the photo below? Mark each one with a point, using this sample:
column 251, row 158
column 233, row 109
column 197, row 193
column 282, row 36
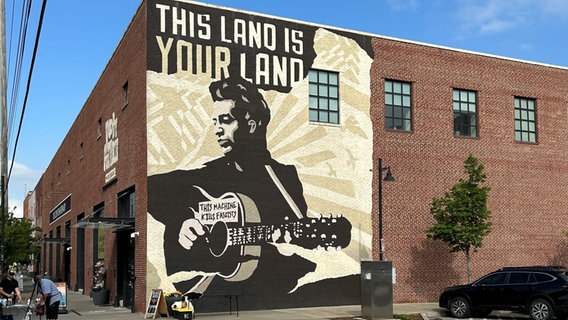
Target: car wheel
column 459, row 307
column 540, row 309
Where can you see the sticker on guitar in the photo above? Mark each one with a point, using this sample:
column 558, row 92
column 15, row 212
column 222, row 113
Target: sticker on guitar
column 232, row 224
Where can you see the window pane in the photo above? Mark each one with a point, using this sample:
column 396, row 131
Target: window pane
column 333, row 118
column 456, row 95
column 388, row 98
column 323, row 104
column 333, row 105
column 397, row 100
column 333, row 92
column 313, row 76
column 388, row 86
column 313, row 89
column 314, row 102
column 389, row 111
column 406, row 88
column 406, row 113
column 471, row 96
column 397, row 87
column 323, row 91
column 333, row 79
column 314, row 115
column 407, row 125
column 389, row 123
column 406, row 101
column 398, row 113
column 323, row 77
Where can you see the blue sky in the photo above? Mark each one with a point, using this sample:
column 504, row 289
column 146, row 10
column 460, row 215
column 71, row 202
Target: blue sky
column 79, row 36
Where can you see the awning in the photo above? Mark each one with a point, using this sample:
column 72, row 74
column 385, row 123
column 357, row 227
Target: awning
column 117, row 224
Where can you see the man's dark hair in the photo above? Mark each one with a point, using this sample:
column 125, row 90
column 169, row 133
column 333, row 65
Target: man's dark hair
column 248, row 100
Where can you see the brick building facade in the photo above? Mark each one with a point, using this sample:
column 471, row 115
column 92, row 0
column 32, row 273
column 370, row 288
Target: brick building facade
column 154, row 92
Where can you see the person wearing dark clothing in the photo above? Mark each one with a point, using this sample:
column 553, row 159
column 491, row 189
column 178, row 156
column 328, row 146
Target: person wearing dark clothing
column 9, row 289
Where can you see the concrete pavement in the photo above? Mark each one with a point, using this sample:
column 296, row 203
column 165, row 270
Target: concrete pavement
column 81, row 307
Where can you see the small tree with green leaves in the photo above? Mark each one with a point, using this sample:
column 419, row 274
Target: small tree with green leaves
column 462, row 217
column 19, row 241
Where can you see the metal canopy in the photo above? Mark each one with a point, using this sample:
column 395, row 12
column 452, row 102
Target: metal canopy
column 105, row 223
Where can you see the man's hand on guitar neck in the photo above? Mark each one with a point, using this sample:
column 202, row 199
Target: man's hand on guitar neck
column 190, row 230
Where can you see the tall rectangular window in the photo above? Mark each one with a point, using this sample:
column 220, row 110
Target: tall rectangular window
column 465, row 113
column 398, row 105
column 127, row 203
column 525, row 119
column 324, row 96
column 98, row 234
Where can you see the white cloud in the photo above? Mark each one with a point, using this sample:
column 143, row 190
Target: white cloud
column 495, row 16
column 22, row 180
column 492, row 16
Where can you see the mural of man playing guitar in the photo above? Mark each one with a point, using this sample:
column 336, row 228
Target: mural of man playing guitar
column 227, row 218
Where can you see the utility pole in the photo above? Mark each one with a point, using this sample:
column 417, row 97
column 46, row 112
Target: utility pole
column 4, row 125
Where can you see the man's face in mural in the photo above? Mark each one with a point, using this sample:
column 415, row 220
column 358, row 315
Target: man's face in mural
column 225, row 125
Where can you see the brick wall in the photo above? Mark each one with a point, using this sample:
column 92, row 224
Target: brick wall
column 79, row 170
column 529, row 181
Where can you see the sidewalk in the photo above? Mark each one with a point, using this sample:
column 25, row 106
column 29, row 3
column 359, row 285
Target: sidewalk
column 81, row 307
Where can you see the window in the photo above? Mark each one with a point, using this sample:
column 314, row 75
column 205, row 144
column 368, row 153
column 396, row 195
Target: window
column 519, row 277
column 324, row 96
column 99, row 128
column 398, row 105
column 496, row 278
column 125, row 95
column 525, row 120
column 98, row 235
column 127, row 203
column 540, row 277
column 465, row 113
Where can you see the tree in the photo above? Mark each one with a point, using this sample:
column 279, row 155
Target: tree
column 19, row 241
column 462, row 217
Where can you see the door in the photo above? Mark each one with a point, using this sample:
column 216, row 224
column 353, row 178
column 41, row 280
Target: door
column 125, row 262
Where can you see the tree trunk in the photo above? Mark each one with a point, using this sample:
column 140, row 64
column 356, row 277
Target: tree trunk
column 468, row 264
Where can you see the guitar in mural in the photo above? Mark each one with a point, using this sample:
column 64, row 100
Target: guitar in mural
column 233, row 233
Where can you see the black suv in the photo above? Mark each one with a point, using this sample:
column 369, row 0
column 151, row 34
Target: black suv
column 540, row 291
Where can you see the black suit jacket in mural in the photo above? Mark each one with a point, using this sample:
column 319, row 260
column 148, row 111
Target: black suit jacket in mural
column 175, row 196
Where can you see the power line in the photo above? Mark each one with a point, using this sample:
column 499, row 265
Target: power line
column 38, row 33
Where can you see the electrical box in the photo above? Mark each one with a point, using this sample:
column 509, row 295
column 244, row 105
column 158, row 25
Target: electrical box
column 376, row 289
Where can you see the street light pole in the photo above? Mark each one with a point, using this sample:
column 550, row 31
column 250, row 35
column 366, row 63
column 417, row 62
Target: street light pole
column 388, row 177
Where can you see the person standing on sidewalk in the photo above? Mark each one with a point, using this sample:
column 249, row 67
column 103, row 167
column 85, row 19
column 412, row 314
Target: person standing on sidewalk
column 50, row 295
column 9, row 289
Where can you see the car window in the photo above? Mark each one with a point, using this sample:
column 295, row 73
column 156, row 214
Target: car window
column 519, row 277
column 492, row 279
column 537, row 277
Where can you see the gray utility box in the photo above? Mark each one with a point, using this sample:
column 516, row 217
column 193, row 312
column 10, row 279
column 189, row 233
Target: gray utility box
column 376, row 289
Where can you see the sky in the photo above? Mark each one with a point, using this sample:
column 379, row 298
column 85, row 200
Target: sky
column 78, row 38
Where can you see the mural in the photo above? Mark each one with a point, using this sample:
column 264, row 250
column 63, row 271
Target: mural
column 245, row 195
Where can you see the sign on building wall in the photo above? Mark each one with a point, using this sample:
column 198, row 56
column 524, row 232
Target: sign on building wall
column 61, row 209
column 110, row 148
column 247, row 194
